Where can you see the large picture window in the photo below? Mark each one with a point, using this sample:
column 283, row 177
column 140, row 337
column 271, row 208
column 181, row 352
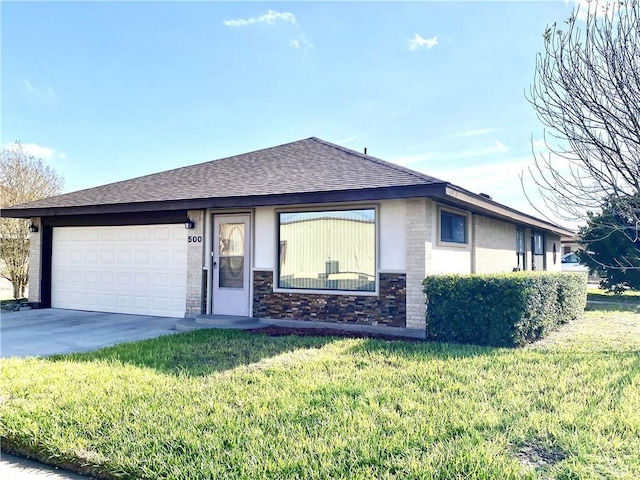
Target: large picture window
column 453, row 227
column 327, row 250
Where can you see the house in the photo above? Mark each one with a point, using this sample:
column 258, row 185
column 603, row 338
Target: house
column 569, row 244
column 308, row 230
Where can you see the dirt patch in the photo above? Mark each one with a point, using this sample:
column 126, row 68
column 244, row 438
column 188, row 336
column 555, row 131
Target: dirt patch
column 534, row 455
column 276, row 331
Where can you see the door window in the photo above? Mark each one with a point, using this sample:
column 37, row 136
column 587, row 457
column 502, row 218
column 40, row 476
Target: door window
column 231, row 255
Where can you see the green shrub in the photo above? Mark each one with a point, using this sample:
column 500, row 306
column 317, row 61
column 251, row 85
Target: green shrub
column 501, row 310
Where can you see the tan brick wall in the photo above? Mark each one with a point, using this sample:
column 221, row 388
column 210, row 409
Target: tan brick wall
column 35, row 262
column 195, row 262
column 494, row 245
column 418, row 250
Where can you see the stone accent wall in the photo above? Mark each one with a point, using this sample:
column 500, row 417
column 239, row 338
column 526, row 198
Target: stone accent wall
column 195, row 259
column 494, row 245
column 35, row 263
column 418, row 250
column 388, row 308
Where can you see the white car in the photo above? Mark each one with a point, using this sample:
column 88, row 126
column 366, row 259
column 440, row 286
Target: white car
column 571, row 263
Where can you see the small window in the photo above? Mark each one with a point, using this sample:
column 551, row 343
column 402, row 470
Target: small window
column 453, row 227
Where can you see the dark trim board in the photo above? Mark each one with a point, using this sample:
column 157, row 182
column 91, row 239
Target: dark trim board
column 116, row 219
column 46, row 266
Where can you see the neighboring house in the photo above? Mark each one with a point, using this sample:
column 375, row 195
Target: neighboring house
column 308, row 230
column 569, row 244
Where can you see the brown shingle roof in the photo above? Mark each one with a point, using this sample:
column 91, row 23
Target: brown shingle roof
column 305, row 166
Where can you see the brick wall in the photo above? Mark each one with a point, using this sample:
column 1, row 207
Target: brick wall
column 195, row 259
column 388, row 308
column 494, row 245
column 35, row 262
column 418, row 250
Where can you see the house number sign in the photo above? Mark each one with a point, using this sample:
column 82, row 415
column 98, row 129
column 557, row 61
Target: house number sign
column 194, row 239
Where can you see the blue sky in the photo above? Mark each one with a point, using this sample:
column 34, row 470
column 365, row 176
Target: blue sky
column 106, row 91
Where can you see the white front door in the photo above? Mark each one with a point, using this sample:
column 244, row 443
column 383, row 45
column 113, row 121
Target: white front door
column 231, row 265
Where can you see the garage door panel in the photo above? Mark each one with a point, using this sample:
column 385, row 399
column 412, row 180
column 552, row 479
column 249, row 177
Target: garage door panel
column 107, row 256
column 132, row 269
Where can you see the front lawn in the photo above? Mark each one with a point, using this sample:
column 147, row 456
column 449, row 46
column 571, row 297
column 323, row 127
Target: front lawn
column 220, row 404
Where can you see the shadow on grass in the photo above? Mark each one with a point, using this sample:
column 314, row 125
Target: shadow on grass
column 605, row 297
column 199, row 352
column 204, row 352
column 611, row 306
column 429, row 349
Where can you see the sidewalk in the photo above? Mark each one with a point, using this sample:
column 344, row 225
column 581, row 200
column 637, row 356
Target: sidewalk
column 18, row 468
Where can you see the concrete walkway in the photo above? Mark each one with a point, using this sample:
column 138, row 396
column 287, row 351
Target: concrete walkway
column 50, row 331
column 17, row 468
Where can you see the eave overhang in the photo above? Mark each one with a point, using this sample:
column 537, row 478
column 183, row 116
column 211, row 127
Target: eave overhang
column 443, row 192
column 478, row 204
column 233, row 202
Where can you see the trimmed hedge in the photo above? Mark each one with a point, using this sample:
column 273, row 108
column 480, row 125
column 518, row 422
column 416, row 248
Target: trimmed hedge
column 506, row 310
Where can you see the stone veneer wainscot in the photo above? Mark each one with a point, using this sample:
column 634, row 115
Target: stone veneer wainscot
column 387, row 308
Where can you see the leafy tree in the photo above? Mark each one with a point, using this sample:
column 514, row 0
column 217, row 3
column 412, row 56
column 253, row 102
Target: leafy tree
column 586, row 92
column 23, row 178
column 610, row 252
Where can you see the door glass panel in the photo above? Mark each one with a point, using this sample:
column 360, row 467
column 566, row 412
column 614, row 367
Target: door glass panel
column 231, row 255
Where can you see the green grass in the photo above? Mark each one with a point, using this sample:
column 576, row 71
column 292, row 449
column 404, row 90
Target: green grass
column 216, row 404
column 597, row 294
column 599, row 299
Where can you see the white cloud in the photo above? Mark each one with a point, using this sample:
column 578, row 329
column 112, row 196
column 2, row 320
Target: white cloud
column 45, row 153
column 418, row 42
column 348, row 139
column 44, row 92
column 440, row 156
column 300, row 42
column 270, row 18
column 599, row 8
column 501, row 146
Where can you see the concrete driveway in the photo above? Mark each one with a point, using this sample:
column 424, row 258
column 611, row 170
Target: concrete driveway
column 49, row 331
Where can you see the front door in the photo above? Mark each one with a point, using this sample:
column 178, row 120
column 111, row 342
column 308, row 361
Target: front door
column 231, row 265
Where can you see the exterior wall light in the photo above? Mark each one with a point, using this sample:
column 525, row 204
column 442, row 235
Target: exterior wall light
column 189, row 224
column 33, row 228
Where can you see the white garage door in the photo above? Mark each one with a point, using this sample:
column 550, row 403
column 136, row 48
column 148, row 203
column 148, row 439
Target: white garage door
column 138, row 269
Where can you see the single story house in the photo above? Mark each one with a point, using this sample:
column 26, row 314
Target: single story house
column 307, row 230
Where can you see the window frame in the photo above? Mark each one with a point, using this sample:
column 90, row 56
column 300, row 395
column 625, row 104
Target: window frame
column 328, row 208
column 543, row 256
column 521, row 255
column 454, row 212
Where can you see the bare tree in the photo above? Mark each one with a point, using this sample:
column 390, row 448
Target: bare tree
column 586, row 93
column 23, row 178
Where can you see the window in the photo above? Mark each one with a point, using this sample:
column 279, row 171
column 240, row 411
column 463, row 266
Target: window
column 328, row 250
column 521, row 253
column 453, row 227
column 537, row 249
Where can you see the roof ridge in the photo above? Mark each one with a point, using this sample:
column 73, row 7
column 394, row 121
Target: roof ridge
column 400, row 168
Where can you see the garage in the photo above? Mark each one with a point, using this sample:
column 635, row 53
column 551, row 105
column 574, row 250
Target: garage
column 136, row 269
